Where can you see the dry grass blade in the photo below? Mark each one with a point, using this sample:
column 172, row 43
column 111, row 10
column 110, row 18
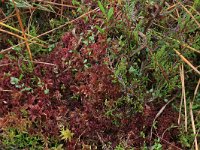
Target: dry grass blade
column 14, row 29
column 61, row 26
column 69, row 22
column 184, row 96
column 192, row 69
column 11, row 15
column 44, row 63
column 170, row 7
column 61, row 8
column 187, row 46
column 22, row 38
column 53, row 3
column 23, row 31
column 1, row 12
column 193, row 126
column 2, row 65
column 177, row 41
column 13, row 34
column 181, row 103
column 186, row 61
column 197, row 88
column 2, row 90
column 192, row 116
column 193, row 9
column 190, row 14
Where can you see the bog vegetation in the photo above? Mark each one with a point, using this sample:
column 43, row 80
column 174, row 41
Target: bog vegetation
column 109, row 74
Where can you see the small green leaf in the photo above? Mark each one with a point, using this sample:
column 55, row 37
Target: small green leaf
column 196, row 107
column 131, row 69
column 91, row 38
column 1, row 56
column 196, row 4
column 100, row 29
column 46, row 91
column 101, row 8
column 14, row 81
column 51, row 47
column 86, row 42
column 110, row 13
column 59, row 147
column 17, row 48
column 85, row 61
column 75, row 2
column 26, row 89
column 136, row 36
column 21, row 76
